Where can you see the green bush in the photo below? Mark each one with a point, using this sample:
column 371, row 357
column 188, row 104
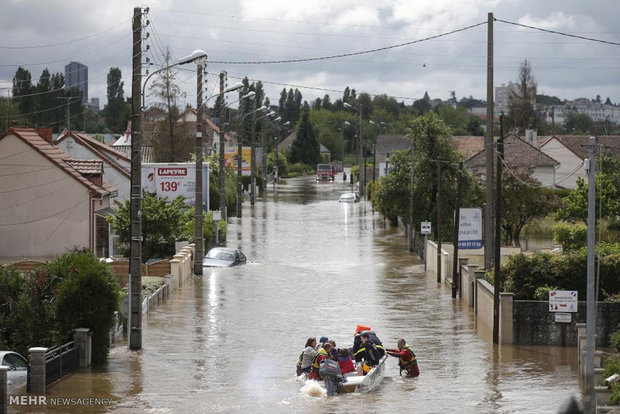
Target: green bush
column 523, row 275
column 208, row 227
column 87, row 297
column 614, row 339
column 571, row 236
column 611, row 365
column 542, row 293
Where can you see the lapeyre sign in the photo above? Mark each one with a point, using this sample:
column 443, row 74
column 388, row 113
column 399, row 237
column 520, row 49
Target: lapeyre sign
column 175, row 179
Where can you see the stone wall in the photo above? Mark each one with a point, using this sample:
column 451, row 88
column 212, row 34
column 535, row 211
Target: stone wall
column 533, row 324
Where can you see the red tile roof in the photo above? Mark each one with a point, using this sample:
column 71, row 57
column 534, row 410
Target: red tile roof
column 53, row 154
column 102, row 150
column 467, row 145
column 86, row 166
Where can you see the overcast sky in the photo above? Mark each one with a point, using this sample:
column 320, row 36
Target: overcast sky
column 98, row 34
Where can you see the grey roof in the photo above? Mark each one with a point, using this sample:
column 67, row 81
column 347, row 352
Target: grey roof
column 517, row 153
column 388, row 144
column 286, row 143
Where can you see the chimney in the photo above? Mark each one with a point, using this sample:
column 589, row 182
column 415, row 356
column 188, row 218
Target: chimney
column 46, row 134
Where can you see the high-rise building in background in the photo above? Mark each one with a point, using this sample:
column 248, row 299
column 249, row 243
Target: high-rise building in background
column 76, row 75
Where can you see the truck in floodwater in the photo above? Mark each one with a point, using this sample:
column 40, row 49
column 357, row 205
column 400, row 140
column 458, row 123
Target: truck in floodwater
column 325, row 172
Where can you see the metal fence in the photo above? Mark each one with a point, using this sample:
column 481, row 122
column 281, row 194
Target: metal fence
column 60, row 361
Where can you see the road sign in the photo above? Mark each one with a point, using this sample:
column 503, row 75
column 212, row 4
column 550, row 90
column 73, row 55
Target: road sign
column 470, row 228
column 562, row 301
column 562, row 317
column 425, row 227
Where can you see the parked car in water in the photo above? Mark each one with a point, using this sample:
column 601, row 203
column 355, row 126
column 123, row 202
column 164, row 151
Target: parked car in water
column 17, row 374
column 349, row 198
column 223, row 257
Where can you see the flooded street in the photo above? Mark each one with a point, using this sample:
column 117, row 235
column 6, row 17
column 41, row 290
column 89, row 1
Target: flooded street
column 229, row 341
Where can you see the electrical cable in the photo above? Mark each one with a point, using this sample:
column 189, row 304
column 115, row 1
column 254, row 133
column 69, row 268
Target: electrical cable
column 591, row 39
column 69, row 41
column 341, row 55
column 43, row 218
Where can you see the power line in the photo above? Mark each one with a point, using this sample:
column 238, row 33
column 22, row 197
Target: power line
column 68, row 41
column 363, row 52
column 591, row 39
column 43, row 218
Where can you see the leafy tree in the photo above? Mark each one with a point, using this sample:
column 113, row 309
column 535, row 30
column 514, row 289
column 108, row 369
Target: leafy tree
column 522, row 99
column 87, row 297
column 456, row 118
column 306, row 147
column 10, row 113
column 22, row 87
column 523, row 200
column 326, row 104
column 387, row 104
column 115, row 112
column 161, row 225
column 390, row 195
column 579, row 123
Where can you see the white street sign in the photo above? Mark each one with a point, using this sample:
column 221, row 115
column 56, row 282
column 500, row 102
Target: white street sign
column 562, row 301
column 563, row 317
column 425, row 227
column 470, row 228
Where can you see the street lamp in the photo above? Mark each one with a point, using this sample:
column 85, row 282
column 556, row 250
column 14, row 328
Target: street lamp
column 362, row 179
column 222, row 171
column 135, row 228
column 264, row 153
column 276, row 176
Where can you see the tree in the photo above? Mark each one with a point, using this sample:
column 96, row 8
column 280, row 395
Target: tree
column 115, row 112
column 421, row 106
column 167, row 92
column 522, row 99
column 22, row 85
column 578, row 123
column 162, row 225
column 608, row 101
column 523, row 200
column 305, row 148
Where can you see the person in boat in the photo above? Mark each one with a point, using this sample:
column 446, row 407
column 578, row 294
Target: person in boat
column 368, row 353
column 357, row 341
column 345, row 361
column 307, row 356
column 322, row 354
column 334, row 351
column 406, row 359
column 322, row 342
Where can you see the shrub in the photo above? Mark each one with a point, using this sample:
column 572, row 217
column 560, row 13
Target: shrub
column 87, row 297
column 611, row 365
column 542, row 293
column 208, row 227
column 614, row 339
column 571, row 236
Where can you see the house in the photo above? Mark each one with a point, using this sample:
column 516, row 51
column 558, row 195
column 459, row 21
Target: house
column 210, row 131
column 519, row 155
column 116, row 165
column 287, row 142
column 467, row 145
column 123, row 145
column 50, row 202
column 570, row 151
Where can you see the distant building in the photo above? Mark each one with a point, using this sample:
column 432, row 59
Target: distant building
column 94, row 104
column 76, row 75
column 502, row 98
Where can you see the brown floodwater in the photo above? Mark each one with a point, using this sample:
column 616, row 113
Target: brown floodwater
column 227, row 342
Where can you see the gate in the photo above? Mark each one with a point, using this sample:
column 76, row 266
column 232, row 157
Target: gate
column 60, row 361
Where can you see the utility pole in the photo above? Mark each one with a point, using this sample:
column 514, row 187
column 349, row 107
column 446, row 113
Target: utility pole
column 222, row 171
column 135, row 228
column 590, row 397
column 68, row 99
column 411, row 192
column 498, row 230
column 438, row 221
column 198, row 234
column 253, row 155
column 240, row 162
column 488, row 146
column 264, row 162
column 455, row 239
column 360, row 150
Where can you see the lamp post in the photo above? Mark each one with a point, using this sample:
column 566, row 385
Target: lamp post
column 276, row 176
column 135, row 229
column 264, row 154
column 253, row 151
column 362, row 179
column 222, row 170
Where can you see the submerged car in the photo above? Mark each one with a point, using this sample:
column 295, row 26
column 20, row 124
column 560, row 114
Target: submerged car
column 17, row 374
column 349, row 198
column 223, row 257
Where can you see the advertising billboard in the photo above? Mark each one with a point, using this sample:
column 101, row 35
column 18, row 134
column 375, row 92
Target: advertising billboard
column 231, row 159
column 172, row 179
column 470, row 228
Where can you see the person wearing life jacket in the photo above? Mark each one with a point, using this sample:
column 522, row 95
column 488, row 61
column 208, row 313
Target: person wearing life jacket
column 345, row 361
column 368, row 353
column 406, row 359
column 321, row 355
column 357, row 341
